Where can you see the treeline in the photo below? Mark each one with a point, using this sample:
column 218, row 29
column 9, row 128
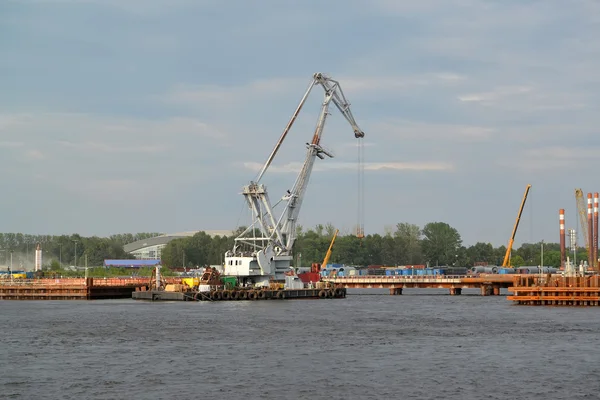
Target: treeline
column 61, row 249
column 437, row 243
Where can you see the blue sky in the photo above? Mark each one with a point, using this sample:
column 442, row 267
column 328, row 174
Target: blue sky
column 150, row 115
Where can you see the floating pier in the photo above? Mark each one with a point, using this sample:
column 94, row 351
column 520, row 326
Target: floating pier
column 556, row 290
column 242, row 294
column 489, row 284
column 70, row 288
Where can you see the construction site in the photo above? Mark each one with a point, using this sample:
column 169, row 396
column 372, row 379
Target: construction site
column 260, row 265
column 578, row 284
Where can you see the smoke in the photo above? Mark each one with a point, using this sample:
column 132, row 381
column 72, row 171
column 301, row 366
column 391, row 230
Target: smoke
column 22, row 261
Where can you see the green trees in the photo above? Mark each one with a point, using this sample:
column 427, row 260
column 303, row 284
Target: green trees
column 437, row 243
column 441, row 243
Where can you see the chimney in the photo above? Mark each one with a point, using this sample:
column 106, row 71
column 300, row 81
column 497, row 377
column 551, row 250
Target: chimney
column 590, row 238
column 561, row 220
column 595, row 231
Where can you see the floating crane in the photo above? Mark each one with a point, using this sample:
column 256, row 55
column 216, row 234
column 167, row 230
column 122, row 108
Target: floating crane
column 264, row 250
column 512, row 237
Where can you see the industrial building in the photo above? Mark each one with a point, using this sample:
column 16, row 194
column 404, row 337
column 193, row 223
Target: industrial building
column 150, row 249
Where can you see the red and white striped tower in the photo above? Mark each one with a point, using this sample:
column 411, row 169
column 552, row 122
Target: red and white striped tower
column 561, row 220
column 590, row 238
column 595, row 231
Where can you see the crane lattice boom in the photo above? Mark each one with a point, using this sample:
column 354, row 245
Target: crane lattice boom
column 582, row 211
column 278, row 234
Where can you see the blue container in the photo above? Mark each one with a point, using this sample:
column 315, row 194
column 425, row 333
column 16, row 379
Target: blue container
column 389, row 272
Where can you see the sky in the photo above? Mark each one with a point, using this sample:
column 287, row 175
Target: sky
column 150, row 115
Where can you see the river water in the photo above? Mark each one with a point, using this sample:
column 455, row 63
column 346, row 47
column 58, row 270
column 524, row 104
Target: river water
column 424, row 344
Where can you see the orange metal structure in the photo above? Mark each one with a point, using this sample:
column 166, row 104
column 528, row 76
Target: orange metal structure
column 489, row 284
column 74, row 288
column 556, row 290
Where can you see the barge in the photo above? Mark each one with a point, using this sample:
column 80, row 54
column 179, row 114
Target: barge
column 214, row 287
column 237, row 295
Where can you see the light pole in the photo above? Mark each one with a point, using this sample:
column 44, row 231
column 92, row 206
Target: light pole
column 60, row 254
column 75, row 253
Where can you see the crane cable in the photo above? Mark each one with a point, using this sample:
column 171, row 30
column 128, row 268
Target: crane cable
column 360, row 229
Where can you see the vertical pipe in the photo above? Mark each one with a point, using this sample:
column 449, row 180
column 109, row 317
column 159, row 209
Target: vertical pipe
column 595, row 231
column 590, row 237
column 561, row 220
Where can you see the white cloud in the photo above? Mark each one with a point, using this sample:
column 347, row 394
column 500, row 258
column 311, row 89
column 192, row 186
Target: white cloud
column 553, row 157
column 11, row 144
column 397, row 129
column 494, row 95
column 268, row 90
column 34, row 154
column 106, row 133
column 295, row 167
column 107, row 148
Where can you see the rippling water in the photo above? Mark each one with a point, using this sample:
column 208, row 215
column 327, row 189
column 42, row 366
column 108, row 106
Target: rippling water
column 422, row 345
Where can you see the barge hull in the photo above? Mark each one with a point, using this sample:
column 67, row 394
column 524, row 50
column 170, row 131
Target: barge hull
column 237, row 295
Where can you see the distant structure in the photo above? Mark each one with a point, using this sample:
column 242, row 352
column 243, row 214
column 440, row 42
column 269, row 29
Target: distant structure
column 38, row 258
column 131, row 263
column 150, row 249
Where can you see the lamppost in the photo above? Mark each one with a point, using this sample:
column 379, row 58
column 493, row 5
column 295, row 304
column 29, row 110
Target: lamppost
column 75, row 252
column 60, row 254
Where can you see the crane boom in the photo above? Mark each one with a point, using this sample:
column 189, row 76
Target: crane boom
column 581, row 210
column 512, row 237
column 329, row 250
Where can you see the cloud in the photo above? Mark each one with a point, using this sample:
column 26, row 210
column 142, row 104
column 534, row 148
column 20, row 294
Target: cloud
column 68, row 129
column 295, row 167
column 231, row 95
column 490, row 97
column 400, row 130
column 107, row 148
column 270, row 89
column 11, row 144
column 454, row 98
column 35, row 154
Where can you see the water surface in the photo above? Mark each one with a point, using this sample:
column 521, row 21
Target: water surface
column 421, row 345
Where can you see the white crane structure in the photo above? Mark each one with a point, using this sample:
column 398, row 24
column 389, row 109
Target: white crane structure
column 264, row 250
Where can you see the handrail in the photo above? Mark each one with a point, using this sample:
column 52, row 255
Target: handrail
column 402, row 277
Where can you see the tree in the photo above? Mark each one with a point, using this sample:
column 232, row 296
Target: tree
column 482, row 252
column 408, row 240
column 441, row 243
column 517, row 261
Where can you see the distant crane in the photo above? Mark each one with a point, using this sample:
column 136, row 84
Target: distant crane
column 328, row 254
column 582, row 211
column 512, row 237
